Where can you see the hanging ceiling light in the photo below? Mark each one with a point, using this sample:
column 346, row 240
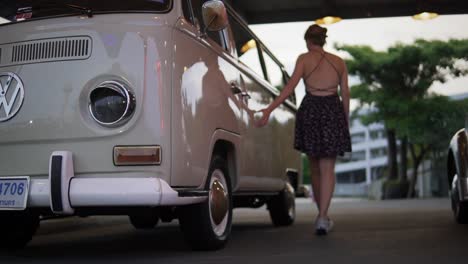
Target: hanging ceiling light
column 424, row 10
column 425, row 16
column 249, row 45
column 327, row 20
column 329, row 12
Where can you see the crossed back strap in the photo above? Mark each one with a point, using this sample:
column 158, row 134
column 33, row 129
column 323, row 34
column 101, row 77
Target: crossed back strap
column 316, row 67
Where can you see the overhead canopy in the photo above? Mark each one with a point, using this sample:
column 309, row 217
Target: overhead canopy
column 273, row 11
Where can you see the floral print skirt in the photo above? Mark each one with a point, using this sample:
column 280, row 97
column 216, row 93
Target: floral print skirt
column 322, row 127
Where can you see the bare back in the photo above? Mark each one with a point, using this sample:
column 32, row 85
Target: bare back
column 322, row 73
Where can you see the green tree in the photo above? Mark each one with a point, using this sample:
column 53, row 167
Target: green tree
column 430, row 130
column 392, row 80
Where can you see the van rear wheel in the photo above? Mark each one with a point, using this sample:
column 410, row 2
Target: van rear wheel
column 207, row 225
column 282, row 207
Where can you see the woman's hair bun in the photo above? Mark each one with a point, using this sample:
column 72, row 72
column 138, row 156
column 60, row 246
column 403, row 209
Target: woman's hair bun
column 316, row 34
column 315, row 31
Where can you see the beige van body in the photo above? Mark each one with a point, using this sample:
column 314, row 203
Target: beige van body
column 187, row 98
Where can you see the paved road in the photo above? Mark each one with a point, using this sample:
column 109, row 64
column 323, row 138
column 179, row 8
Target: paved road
column 415, row 231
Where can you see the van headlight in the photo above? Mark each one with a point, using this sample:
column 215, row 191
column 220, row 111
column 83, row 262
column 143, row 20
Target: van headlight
column 111, row 103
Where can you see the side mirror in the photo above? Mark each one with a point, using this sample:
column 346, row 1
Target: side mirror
column 214, row 15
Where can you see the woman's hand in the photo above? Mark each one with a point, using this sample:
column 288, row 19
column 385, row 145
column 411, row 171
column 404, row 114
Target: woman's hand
column 264, row 119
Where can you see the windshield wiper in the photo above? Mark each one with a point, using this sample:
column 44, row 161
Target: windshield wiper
column 85, row 10
column 51, row 4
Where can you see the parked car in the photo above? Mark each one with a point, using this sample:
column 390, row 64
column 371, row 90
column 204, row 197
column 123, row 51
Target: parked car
column 457, row 165
column 141, row 108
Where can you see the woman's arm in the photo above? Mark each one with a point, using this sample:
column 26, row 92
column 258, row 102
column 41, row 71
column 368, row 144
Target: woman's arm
column 344, row 88
column 285, row 93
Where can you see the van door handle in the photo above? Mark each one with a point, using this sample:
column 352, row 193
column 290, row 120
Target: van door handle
column 235, row 89
column 245, row 95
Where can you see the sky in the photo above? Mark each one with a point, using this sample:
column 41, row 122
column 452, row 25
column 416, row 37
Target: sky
column 285, row 40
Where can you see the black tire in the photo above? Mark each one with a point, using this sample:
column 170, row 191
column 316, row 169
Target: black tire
column 19, row 228
column 459, row 208
column 207, row 225
column 146, row 219
column 282, row 207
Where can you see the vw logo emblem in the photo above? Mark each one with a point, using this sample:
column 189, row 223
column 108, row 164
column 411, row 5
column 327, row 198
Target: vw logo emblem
column 11, row 95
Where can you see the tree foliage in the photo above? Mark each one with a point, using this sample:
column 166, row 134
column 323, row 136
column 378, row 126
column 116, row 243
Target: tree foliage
column 394, row 88
column 404, row 73
column 434, row 121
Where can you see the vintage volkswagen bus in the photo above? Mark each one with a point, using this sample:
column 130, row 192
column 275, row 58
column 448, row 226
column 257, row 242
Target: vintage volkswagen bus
column 143, row 108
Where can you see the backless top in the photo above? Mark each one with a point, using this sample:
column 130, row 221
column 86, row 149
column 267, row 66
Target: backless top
column 332, row 88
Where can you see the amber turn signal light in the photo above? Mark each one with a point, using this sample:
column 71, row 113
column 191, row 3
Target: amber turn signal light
column 137, row 155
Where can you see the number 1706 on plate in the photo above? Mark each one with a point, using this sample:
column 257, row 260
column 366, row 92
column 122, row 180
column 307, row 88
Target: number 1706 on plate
column 14, row 193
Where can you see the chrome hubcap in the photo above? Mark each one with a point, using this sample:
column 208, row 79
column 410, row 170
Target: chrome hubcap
column 218, row 202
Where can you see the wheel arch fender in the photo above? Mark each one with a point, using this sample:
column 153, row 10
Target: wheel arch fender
column 227, row 145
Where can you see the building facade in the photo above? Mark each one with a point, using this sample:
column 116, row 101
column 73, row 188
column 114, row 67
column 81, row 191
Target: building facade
column 357, row 170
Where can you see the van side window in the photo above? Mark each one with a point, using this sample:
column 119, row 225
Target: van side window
column 187, row 9
column 286, row 78
column 196, row 6
column 246, row 46
column 275, row 73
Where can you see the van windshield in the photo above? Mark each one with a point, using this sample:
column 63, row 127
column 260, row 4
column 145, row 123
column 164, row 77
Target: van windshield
column 22, row 10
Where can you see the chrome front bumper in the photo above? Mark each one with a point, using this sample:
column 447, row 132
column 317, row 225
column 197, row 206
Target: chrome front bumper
column 63, row 192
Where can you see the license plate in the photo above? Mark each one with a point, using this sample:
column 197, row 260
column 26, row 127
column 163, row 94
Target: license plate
column 14, row 193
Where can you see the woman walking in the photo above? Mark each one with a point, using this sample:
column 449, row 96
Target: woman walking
column 322, row 130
